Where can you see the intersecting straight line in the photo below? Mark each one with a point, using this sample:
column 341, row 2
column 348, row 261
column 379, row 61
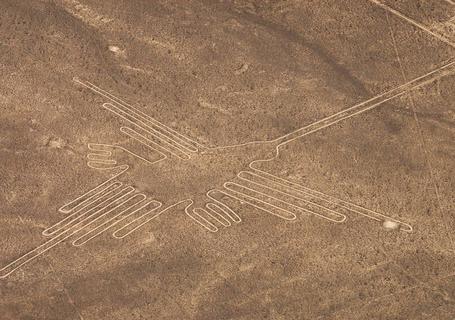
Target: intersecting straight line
column 426, row 152
column 413, row 22
column 427, row 156
column 419, row 283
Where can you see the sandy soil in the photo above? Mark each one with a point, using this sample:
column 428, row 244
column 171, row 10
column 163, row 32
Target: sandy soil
column 219, row 214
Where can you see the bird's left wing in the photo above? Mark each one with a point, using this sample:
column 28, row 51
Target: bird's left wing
column 146, row 129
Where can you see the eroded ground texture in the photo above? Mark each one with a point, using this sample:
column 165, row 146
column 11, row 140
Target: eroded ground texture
column 243, row 159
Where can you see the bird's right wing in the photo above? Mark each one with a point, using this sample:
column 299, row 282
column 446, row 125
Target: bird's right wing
column 284, row 199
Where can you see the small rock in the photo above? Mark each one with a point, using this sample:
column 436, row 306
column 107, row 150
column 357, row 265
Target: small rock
column 56, row 142
column 390, row 225
column 117, row 51
column 114, row 49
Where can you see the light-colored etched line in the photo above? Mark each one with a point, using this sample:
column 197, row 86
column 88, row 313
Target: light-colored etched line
column 269, row 182
column 200, row 219
column 450, row 2
column 102, row 150
column 243, row 197
column 213, row 216
column 43, row 248
column 178, row 138
column 204, row 213
column 90, row 199
column 67, row 208
column 108, row 225
column 422, row 139
column 91, row 219
column 106, row 150
column 152, row 144
column 281, row 204
column 350, row 112
column 190, row 144
column 418, row 82
column 64, row 223
column 338, row 217
column 113, row 203
column 96, row 158
column 143, row 126
column 413, row 22
column 281, row 141
column 29, row 256
column 215, row 210
column 102, row 154
column 224, row 208
column 136, row 200
column 171, row 144
column 429, row 77
column 139, row 138
column 368, row 104
column 119, row 234
column 338, row 202
column 127, row 201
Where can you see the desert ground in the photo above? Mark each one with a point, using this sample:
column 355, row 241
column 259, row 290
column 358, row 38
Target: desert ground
column 227, row 159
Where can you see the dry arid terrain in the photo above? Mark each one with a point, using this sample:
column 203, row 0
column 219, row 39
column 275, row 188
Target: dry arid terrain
column 227, row 159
